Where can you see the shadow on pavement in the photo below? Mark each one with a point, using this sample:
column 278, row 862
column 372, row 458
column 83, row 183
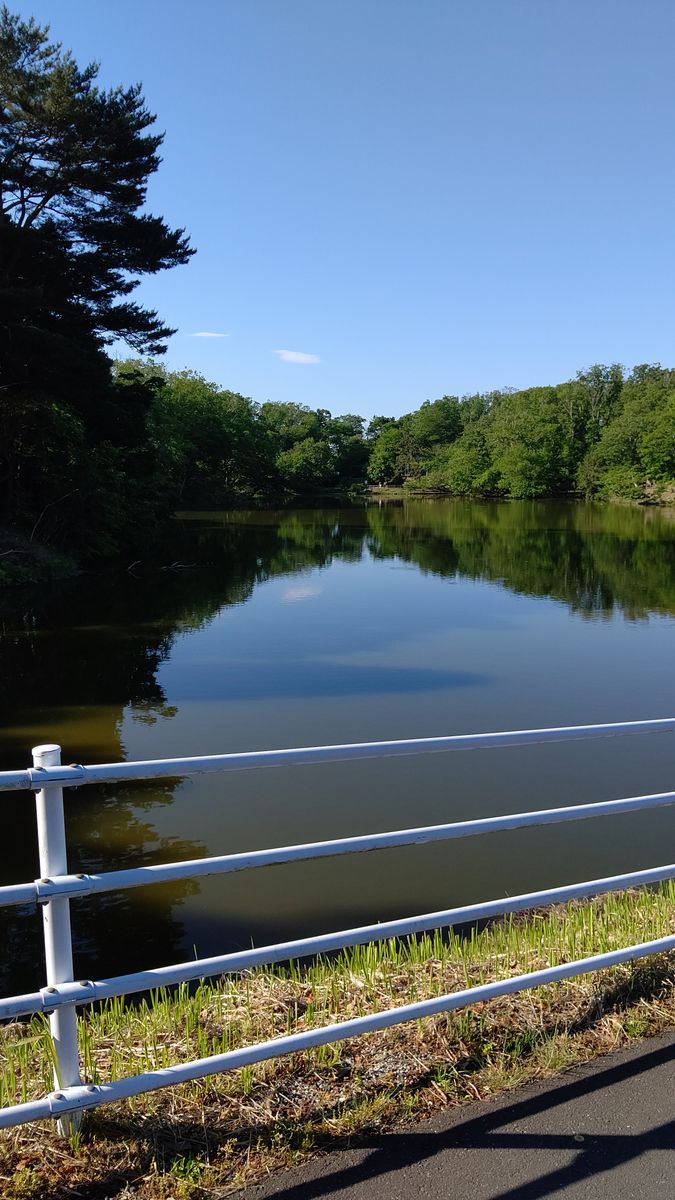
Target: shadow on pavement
column 593, row 1156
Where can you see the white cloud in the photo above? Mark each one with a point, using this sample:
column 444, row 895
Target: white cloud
column 215, row 335
column 300, row 593
column 297, row 356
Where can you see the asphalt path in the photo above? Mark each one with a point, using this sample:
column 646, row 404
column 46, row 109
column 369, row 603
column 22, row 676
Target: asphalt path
column 600, row 1132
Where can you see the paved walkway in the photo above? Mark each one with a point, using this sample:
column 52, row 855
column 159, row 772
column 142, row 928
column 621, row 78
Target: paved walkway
column 602, row 1132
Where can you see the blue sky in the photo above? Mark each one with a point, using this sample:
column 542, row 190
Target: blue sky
column 427, row 196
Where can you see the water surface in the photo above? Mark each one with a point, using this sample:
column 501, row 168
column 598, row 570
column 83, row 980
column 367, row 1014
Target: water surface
column 301, row 627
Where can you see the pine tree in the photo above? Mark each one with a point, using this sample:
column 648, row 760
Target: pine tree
column 74, row 237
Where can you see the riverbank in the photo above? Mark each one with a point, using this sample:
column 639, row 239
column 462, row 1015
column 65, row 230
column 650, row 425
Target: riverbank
column 204, row 1140
column 653, row 495
column 25, row 561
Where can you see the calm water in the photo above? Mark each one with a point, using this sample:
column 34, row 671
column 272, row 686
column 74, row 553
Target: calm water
column 351, row 624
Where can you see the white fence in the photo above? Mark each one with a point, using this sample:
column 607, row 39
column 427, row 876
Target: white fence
column 56, row 887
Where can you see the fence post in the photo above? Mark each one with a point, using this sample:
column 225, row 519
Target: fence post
column 56, row 928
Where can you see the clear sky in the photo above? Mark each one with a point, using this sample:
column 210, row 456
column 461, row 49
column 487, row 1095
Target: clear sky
column 427, row 196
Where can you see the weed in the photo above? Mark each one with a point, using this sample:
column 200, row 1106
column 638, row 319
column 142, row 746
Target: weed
column 206, row 1138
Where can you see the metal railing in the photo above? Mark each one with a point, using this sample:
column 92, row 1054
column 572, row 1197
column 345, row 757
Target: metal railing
column 56, row 887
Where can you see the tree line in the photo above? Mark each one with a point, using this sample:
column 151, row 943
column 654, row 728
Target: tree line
column 606, row 434
column 158, row 441
column 94, row 452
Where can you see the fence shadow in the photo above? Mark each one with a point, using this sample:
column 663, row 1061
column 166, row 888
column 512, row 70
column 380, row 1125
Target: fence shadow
column 388, row 1154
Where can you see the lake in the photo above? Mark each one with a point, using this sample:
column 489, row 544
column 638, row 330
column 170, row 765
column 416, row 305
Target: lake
column 308, row 626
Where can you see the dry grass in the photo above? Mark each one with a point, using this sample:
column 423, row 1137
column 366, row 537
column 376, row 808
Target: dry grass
column 207, row 1139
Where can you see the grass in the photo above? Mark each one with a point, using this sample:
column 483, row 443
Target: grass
column 206, row 1139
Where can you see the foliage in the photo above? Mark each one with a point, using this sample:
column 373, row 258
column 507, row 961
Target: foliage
column 468, row 464
column 384, row 457
column 656, row 443
column 602, row 434
column 527, row 444
column 312, row 449
column 286, row 424
column 205, row 440
column 621, row 482
column 347, row 444
column 436, row 424
column 74, row 242
column 306, row 465
column 75, row 165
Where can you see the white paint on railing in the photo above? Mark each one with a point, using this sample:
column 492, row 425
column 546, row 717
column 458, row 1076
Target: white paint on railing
column 56, row 887
column 76, row 1099
column 87, row 991
column 131, row 877
column 53, row 854
column 26, row 893
column 169, row 768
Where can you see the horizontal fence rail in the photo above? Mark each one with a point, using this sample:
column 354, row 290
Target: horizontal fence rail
column 56, row 887
column 75, row 775
column 75, row 1099
column 83, row 884
column 85, row 992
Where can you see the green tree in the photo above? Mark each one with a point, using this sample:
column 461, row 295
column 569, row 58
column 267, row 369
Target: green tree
column 286, row 424
column 474, row 408
column 306, row 465
column 348, row 447
column 74, row 242
column 376, row 425
column 436, row 423
column 206, row 440
column 601, row 389
column 467, row 468
column 656, row 444
column 635, row 446
column 74, row 166
column 527, row 444
column 383, row 465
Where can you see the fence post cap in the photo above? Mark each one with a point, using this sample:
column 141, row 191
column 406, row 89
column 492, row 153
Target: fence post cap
column 49, row 754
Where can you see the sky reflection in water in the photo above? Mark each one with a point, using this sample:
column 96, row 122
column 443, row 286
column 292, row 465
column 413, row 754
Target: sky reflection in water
column 314, row 626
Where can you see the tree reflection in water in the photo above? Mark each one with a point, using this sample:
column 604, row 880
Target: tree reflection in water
column 76, row 657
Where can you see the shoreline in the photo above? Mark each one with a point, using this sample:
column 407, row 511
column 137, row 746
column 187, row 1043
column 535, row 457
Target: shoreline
column 25, row 563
